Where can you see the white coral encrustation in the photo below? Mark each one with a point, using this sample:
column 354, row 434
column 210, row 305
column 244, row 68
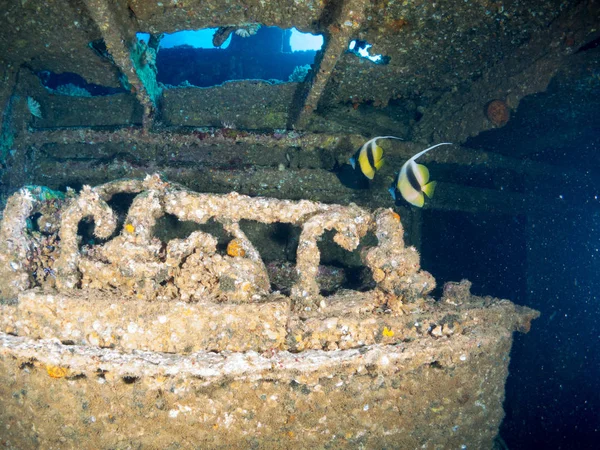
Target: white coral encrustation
column 242, row 32
column 34, row 107
column 248, row 30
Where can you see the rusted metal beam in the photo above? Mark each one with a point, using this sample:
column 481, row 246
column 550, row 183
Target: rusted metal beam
column 462, row 112
column 343, row 145
column 313, row 184
column 112, row 18
column 8, row 77
column 338, row 36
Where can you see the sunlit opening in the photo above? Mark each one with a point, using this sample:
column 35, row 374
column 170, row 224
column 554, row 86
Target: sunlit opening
column 300, row 41
column 192, row 38
column 213, row 56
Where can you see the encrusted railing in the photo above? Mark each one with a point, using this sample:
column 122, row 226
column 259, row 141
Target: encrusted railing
column 136, row 263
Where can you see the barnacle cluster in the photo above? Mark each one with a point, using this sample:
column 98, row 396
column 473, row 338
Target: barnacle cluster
column 43, row 251
column 396, row 269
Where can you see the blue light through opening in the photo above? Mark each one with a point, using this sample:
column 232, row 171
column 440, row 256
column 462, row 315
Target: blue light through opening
column 143, row 37
column 258, row 52
column 193, row 38
column 361, row 48
column 300, row 41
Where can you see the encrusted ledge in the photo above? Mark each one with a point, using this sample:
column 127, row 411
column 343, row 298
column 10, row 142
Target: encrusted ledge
column 92, row 318
column 433, row 389
column 348, row 322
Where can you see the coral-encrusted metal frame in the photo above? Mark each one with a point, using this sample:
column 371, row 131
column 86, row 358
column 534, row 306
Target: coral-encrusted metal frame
column 136, row 263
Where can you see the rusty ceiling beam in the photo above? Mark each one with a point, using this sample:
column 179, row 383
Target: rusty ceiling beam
column 112, row 19
column 338, row 36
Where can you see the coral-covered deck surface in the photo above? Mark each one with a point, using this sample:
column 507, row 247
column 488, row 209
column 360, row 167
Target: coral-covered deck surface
column 125, row 341
column 432, row 375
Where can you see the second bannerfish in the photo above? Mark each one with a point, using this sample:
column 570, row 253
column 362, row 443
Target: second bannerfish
column 413, row 180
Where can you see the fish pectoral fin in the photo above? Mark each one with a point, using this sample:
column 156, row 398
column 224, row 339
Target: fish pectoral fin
column 379, row 163
column 409, row 193
column 419, row 201
column 429, row 189
column 369, row 173
column 422, row 174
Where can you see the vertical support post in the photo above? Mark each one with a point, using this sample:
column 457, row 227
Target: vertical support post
column 8, row 82
column 8, row 79
column 338, row 36
column 120, row 40
column 14, row 157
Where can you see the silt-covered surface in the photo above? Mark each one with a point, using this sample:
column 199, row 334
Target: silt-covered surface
column 435, row 389
column 232, row 104
column 53, row 36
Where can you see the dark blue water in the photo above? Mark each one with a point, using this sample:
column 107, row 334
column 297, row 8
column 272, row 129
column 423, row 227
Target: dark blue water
column 549, row 261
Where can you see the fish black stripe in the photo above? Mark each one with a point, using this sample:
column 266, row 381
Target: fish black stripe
column 370, row 156
column 412, row 178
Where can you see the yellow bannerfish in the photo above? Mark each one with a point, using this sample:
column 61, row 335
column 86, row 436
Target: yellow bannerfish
column 370, row 156
column 413, row 180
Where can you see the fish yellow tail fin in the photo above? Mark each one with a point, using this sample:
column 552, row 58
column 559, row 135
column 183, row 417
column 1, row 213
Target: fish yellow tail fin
column 429, row 189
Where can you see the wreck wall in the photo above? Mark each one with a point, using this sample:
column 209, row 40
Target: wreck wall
column 436, row 391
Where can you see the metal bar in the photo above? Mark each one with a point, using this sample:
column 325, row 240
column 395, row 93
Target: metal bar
column 116, row 30
column 313, row 184
column 344, row 145
column 338, row 37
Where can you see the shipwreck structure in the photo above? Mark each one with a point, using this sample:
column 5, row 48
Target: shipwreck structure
column 135, row 341
column 253, row 294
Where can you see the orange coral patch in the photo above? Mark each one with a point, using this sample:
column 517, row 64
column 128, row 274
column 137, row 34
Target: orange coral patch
column 234, row 248
column 396, row 25
column 57, row 371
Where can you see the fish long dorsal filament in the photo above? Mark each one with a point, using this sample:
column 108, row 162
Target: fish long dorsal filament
column 426, row 150
column 382, row 137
